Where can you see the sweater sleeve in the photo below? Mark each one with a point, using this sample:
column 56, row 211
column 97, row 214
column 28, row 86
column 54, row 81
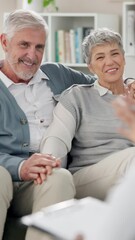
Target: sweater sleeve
column 62, row 77
column 57, row 141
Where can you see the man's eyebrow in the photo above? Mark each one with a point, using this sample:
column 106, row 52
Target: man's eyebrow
column 40, row 44
column 23, row 41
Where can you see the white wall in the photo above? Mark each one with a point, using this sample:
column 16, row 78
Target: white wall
column 99, row 6
column 5, row 6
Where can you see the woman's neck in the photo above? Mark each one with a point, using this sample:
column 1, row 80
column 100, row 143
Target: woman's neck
column 117, row 88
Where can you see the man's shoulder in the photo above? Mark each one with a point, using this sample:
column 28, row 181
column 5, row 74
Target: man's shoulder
column 56, row 71
column 62, row 77
column 66, row 73
column 50, row 66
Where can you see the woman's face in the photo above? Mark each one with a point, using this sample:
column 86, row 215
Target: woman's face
column 107, row 62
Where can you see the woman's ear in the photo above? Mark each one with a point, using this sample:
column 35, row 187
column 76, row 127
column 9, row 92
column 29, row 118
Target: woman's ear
column 124, row 61
column 91, row 68
column 4, row 41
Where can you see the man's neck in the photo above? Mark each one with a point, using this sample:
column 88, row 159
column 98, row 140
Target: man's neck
column 12, row 76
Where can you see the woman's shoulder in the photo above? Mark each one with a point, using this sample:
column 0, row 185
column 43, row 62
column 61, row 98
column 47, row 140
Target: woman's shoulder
column 74, row 92
column 77, row 88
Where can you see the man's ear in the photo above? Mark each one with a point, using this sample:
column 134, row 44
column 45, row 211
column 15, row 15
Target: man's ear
column 4, row 41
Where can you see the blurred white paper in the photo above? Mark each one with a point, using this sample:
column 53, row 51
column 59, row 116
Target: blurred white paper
column 113, row 219
column 68, row 219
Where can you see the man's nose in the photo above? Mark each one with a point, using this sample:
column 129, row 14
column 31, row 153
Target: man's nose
column 31, row 52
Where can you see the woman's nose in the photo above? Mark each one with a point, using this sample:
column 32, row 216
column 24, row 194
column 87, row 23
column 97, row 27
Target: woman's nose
column 109, row 60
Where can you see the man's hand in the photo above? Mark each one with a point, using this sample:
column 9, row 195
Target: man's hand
column 37, row 167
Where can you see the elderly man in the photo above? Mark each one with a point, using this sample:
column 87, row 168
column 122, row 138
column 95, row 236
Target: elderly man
column 29, row 180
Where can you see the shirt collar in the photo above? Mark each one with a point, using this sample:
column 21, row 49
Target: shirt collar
column 39, row 75
column 5, row 80
column 36, row 78
column 102, row 90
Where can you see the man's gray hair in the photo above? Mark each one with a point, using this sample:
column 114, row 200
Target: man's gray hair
column 99, row 37
column 21, row 19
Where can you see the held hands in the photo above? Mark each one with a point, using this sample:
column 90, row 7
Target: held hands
column 37, row 167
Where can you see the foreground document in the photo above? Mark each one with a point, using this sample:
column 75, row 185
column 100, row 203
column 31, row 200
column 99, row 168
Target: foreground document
column 113, row 219
column 65, row 220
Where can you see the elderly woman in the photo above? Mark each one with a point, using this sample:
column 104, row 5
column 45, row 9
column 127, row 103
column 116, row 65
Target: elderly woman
column 85, row 123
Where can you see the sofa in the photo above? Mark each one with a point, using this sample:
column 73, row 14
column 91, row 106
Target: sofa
column 14, row 230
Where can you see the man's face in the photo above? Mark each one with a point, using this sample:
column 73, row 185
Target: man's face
column 23, row 53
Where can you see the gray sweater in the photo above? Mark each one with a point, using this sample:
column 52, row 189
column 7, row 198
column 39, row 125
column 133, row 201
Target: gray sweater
column 88, row 121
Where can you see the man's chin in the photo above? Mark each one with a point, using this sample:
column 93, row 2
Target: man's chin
column 25, row 76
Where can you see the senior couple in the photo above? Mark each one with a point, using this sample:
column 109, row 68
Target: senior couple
column 33, row 138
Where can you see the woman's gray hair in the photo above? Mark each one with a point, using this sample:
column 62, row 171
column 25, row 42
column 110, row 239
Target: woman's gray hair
column 99, row 37
column 20, row 19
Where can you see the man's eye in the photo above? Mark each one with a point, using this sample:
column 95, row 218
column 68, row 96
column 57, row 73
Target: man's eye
column 24, row 45
column 40, row 48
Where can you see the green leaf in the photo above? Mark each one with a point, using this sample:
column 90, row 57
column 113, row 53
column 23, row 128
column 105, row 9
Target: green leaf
column 29, row 1
column 46, row 3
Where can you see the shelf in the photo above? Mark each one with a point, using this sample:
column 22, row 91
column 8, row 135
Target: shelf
column 129, row 28
column 67, row 21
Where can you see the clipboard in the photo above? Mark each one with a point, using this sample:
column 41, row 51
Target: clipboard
column 67, row 219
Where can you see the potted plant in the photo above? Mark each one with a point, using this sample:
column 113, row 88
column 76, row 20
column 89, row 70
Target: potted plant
column 40, row 4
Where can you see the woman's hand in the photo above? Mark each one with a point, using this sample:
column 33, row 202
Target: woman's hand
column 130, row 92
column 125, row 110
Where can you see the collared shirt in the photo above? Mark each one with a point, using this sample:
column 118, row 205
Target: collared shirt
column 36, row 100
column 102, row 90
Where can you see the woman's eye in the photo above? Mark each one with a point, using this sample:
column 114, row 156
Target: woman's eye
column 116, row 53
column 99, row 58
